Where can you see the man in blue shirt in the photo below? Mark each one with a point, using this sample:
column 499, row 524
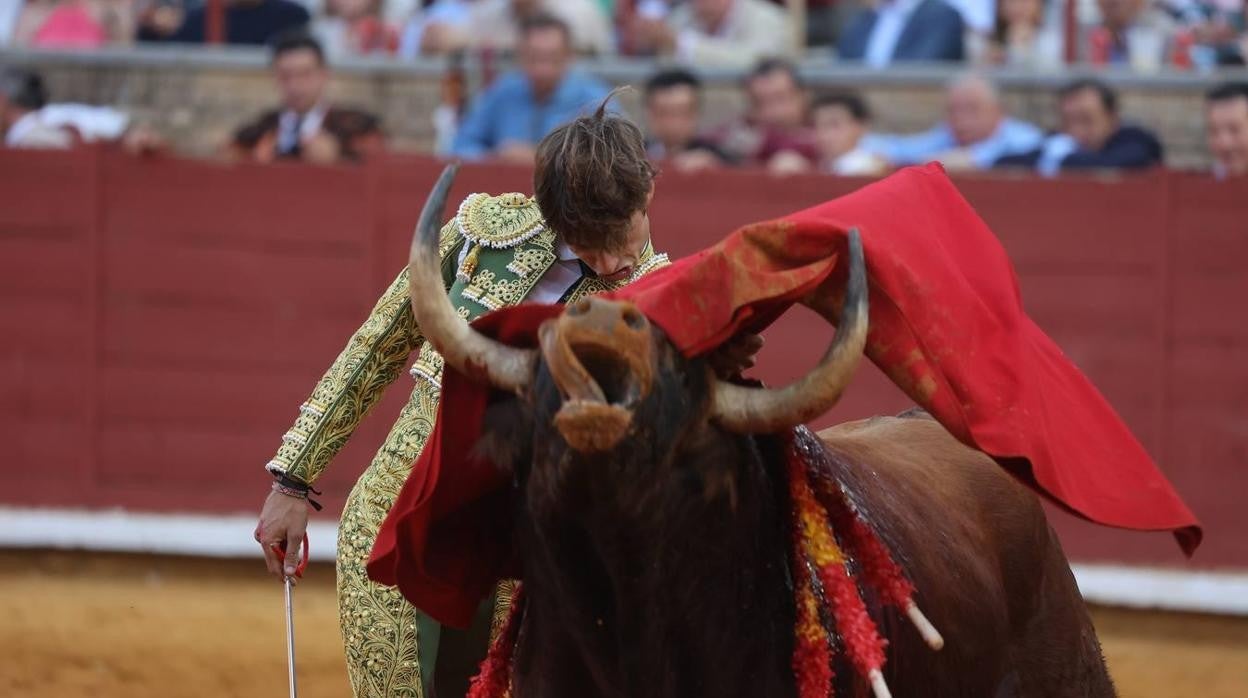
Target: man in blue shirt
column 509, row 118
column 1092, row 137
column 975, row 135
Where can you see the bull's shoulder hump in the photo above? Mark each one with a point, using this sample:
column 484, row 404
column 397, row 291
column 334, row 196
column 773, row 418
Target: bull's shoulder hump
column 501, row 221
column 865, row 426
column 889, row 432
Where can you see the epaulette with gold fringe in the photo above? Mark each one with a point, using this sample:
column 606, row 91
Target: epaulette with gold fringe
column 497, row 222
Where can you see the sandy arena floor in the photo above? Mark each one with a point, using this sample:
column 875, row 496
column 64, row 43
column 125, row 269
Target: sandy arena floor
column 105, row 626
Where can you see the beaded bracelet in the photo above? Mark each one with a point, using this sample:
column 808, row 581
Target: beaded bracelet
column 289, row 491
column 293, row 488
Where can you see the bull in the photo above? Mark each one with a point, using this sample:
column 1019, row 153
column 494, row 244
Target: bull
column 651, row 517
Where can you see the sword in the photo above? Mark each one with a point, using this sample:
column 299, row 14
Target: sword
column 280, row 549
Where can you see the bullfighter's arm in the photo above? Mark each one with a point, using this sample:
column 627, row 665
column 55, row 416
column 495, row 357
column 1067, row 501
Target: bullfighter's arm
column 373, row 358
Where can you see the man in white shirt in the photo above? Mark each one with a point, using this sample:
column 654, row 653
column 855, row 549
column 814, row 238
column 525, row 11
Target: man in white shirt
column 452, row 25
column 28, row 121
column 717, row 33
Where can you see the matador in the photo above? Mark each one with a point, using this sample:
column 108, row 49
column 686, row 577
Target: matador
column 584, row 231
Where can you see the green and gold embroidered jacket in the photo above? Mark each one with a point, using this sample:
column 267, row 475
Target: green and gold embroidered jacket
column 505, row 248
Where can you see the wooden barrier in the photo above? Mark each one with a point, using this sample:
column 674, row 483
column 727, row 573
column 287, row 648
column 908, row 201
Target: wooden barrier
column 162, row 319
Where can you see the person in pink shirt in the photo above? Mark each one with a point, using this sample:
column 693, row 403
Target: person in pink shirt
column 74, row 24
column 777, row 117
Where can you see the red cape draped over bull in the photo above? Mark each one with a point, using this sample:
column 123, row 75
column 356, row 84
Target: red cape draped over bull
column 946, row 325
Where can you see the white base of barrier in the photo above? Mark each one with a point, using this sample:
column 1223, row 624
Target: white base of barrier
column 1224, row 592
column 117, row 530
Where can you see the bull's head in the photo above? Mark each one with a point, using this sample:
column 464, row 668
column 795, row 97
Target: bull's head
column 640, row 485
column 605, row 357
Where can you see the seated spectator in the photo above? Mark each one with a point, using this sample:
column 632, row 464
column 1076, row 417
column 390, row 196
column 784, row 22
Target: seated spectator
column 509, row 118
column 673, row 105
column 255, row 22
column 354, row 28
column 1021, row 37
column 1131, row 33
column 889, row 31
column 776, row 117
column 720, row 33
column 306, row 126
column 1226, row 128
column 975, row 135
column 28, row 120
column 1215, row 31
column 1092, row 136
column 158, row 20
column 476, row 25
column 72, row 24
column 841, row 121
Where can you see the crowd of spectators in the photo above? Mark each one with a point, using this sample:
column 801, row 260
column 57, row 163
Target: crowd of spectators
column 783, row 127
column 786, row 131
column 1144, row 34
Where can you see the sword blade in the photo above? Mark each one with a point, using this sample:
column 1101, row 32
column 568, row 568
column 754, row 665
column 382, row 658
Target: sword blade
column 290, row 640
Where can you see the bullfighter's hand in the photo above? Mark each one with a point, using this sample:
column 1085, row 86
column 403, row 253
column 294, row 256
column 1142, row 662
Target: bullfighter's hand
column 282, row 519
column 736, row 355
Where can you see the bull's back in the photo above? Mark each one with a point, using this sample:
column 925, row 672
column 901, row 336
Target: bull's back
column 987, row 567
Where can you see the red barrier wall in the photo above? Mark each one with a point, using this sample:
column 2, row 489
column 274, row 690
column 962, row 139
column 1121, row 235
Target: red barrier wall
column 162, row 320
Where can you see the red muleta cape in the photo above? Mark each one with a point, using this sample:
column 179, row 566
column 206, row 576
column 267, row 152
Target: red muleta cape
column 946, row 324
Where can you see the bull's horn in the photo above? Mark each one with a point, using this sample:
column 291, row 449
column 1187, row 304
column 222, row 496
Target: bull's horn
column 465, row 349
column 763, row 410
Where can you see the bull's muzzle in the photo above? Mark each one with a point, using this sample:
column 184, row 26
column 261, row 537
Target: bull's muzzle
column 600, row 355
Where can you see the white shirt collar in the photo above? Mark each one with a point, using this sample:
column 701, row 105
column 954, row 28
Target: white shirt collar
column 564, row 253
column 311, row 120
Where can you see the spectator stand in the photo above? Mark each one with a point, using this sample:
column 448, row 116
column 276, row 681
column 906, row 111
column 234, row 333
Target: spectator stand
column 195, row 97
